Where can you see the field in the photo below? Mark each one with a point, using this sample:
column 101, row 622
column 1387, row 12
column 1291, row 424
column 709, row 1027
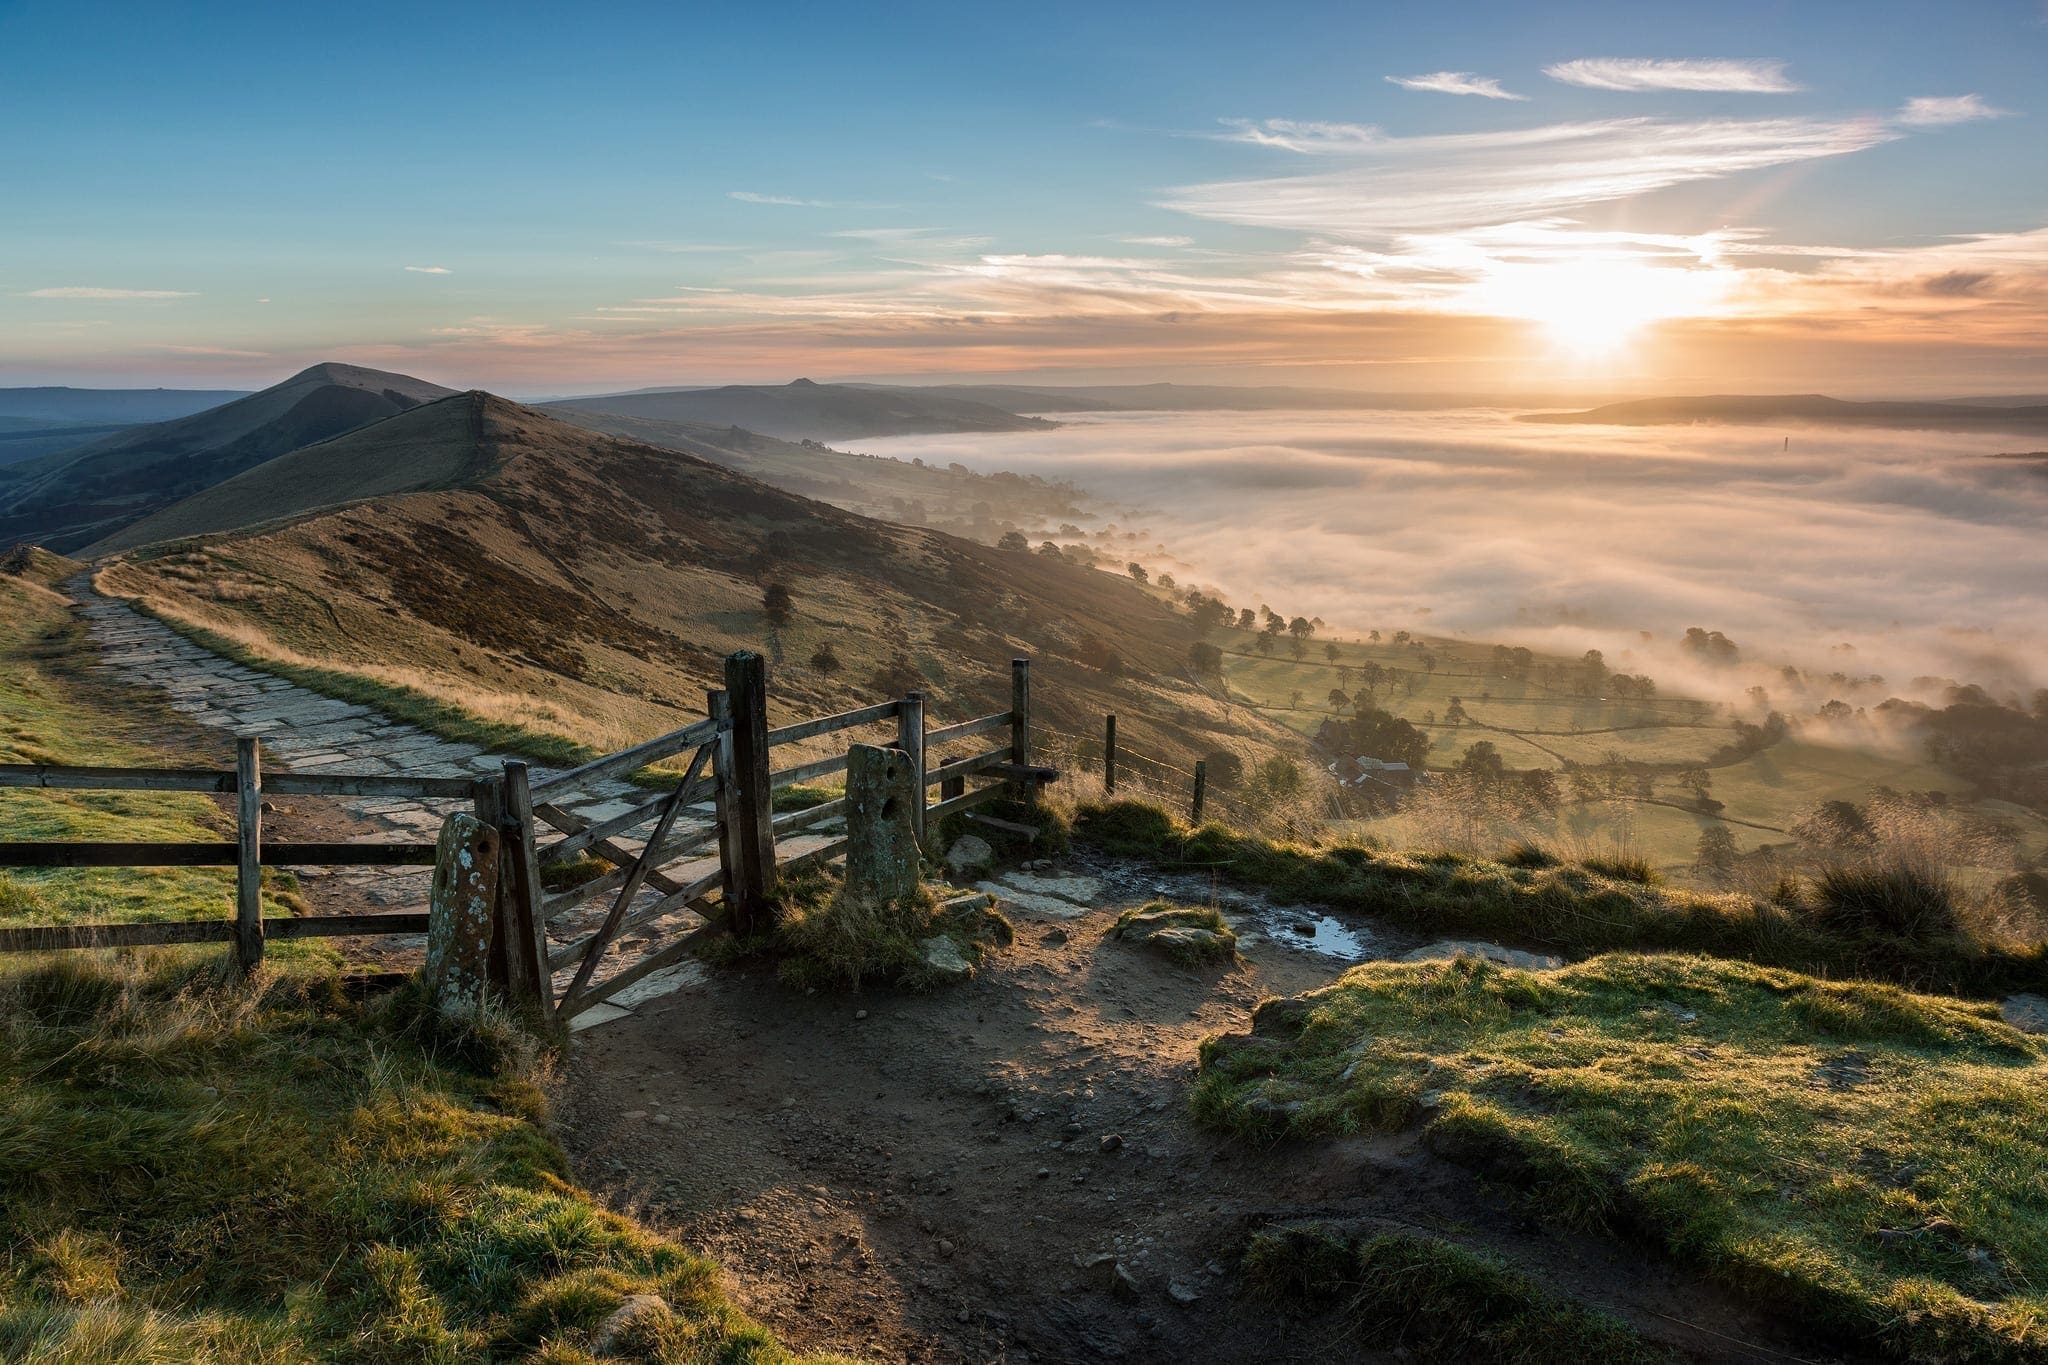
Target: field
column 1539, row 726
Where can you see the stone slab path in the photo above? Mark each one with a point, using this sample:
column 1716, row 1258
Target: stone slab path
column 304, row 731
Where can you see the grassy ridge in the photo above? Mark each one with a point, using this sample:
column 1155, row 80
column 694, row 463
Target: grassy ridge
column 1870, row 1157
column 1571, row 907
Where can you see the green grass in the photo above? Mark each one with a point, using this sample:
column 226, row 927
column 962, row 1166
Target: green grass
column 825, row 939
column 1870, row 1158
column 1564, row 906
column 44, row 719
column 193, row 1168
column 1190, row 935
column 1433, row 1300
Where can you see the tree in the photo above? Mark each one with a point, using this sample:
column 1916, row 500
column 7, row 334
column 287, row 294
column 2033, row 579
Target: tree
column 1454, row 714
column 1482, row 760
column 1013, row 540
column 1331, row 652
column 1428, row 663
column 1715, row 854
column 1301, row 628
column 1204, row 657
column 1373, row 636
column 1049, row 549
column 825, row 659
column 1294, row 700
column 1166, row 582
column 1247, row 618
column 1709, row 646
column 1298, row 647
column 1137, row 571
column 1223, row 768
column 778, row 603
column 1380, row 734
column 1539, row 785
column 1263, row 644
column 1338, row 701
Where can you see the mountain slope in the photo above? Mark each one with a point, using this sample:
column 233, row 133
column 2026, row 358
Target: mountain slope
column 589, row 587
column 1805, row 407
column 821, row 412
column 77, row 496
column 67, row 406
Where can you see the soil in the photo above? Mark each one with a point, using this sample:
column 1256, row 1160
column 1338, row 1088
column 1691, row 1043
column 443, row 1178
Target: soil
column 957, row 1176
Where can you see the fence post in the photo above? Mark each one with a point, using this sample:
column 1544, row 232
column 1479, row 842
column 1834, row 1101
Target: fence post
column 524, row 928
column 487, row 801
column 1020, row 723
column 750, row 820
column 1109, row 754
column 1201, row 788
column 910, row 739
column 249, row 852
column 950, row 787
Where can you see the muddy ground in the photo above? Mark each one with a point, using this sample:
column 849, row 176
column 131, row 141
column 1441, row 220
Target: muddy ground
column 960, row 1176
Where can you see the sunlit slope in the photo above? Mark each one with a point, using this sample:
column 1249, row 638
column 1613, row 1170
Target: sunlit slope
column 588, row 588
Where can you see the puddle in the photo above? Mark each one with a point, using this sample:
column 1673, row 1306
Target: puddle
column 1310, row 933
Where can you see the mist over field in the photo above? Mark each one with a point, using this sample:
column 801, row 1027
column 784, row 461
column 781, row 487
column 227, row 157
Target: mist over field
column 1917, row 549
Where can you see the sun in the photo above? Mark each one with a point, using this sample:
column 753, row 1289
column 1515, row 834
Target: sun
column 1597, row 304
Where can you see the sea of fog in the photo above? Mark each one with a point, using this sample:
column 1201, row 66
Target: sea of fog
column 1901, row 553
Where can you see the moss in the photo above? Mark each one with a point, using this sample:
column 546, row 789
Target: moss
column 1578, row 908
column 827, row 940
column 1433, row 1300
column 1849, row 1150
column 1189, row 935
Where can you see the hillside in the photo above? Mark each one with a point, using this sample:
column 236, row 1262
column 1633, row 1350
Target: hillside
column 71, row 498
column 530, row 573
column 1805, row 407
column 66, row 406
column 980, row 505
column 803, row 410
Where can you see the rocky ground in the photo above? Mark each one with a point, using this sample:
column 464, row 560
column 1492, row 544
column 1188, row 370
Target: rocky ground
column 1006, row 1170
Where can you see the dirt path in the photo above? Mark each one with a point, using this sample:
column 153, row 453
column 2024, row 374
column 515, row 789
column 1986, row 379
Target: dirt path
column 925, row 1177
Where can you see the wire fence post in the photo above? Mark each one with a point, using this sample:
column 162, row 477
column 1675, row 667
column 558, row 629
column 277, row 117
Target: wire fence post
column 1201, row 788
column 1020, row 723
column 1109, row 754
column 248, row 852
column 910, row 739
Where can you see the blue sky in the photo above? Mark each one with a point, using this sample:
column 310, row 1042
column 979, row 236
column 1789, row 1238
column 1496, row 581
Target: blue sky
column 541, row 199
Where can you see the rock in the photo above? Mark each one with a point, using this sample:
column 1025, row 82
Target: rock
column 1186, row 935
column 1282, row 1018
column 1111, row 1142
column 1112, row 1274
column 2027, row 1013
column 943, row 957
column 882, row 856
column 970, row 856
column 638, row 1312
column 460, row 916
column 1181, row 1293
column 1490, row 952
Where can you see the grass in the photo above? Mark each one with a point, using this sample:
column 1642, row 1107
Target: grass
column 193, row 1168
column 1865, row 1156
column 1433, row 1300
column 45, row 717
column 1575, row 908
column 827, row 940
column 1190, row 935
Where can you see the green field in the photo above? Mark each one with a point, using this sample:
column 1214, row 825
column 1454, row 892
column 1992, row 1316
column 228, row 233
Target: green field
column 1537, row 726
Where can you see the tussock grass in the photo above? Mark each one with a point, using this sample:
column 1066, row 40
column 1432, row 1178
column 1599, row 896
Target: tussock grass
column 1866, row 1156
column 1432, row 1299
column 1577, row 908
column 828, row 940
column 193, row 1168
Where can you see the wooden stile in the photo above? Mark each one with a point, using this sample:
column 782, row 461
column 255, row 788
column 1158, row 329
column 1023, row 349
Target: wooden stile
column 751, row 836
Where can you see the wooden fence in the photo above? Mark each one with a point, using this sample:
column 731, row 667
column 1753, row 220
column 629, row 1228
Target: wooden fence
column 725, row 869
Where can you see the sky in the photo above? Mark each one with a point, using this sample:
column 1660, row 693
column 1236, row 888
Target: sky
column 1451, row 197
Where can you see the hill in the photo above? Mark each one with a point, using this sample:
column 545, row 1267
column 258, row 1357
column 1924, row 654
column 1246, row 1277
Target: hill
column 81, row 495
column 1805, row 407
column 803, row 410
column 959, row 499
column 65, row 406
column 523, row 571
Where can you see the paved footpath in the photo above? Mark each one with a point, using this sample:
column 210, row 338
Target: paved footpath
column 306, row 732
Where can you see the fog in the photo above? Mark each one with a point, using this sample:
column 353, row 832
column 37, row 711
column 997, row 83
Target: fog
column 1914, row 550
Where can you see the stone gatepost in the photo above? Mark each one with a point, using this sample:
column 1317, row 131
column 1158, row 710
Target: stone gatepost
column 883, row 861
column 461, row 915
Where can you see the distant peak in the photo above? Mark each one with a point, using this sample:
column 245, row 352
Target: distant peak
column 801, row 384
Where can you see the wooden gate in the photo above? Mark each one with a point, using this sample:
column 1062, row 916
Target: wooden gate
column 693, row 854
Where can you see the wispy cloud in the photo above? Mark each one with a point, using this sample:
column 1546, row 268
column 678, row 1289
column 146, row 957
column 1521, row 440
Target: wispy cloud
column 786, row 201
column 430, row 270
column 79, row 291
column 1295, row 135
column 1457, row 83
column 1643, row 73
column 1157, row 241
column 1935, row 111
column 1448, row 181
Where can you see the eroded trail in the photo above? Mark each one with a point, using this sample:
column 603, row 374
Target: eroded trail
column 1007, row 1170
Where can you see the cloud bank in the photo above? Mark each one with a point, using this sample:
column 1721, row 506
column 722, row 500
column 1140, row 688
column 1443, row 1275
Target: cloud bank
column 1642, row 73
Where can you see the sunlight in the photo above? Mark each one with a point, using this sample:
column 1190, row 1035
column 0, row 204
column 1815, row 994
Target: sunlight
column 1598, row 304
